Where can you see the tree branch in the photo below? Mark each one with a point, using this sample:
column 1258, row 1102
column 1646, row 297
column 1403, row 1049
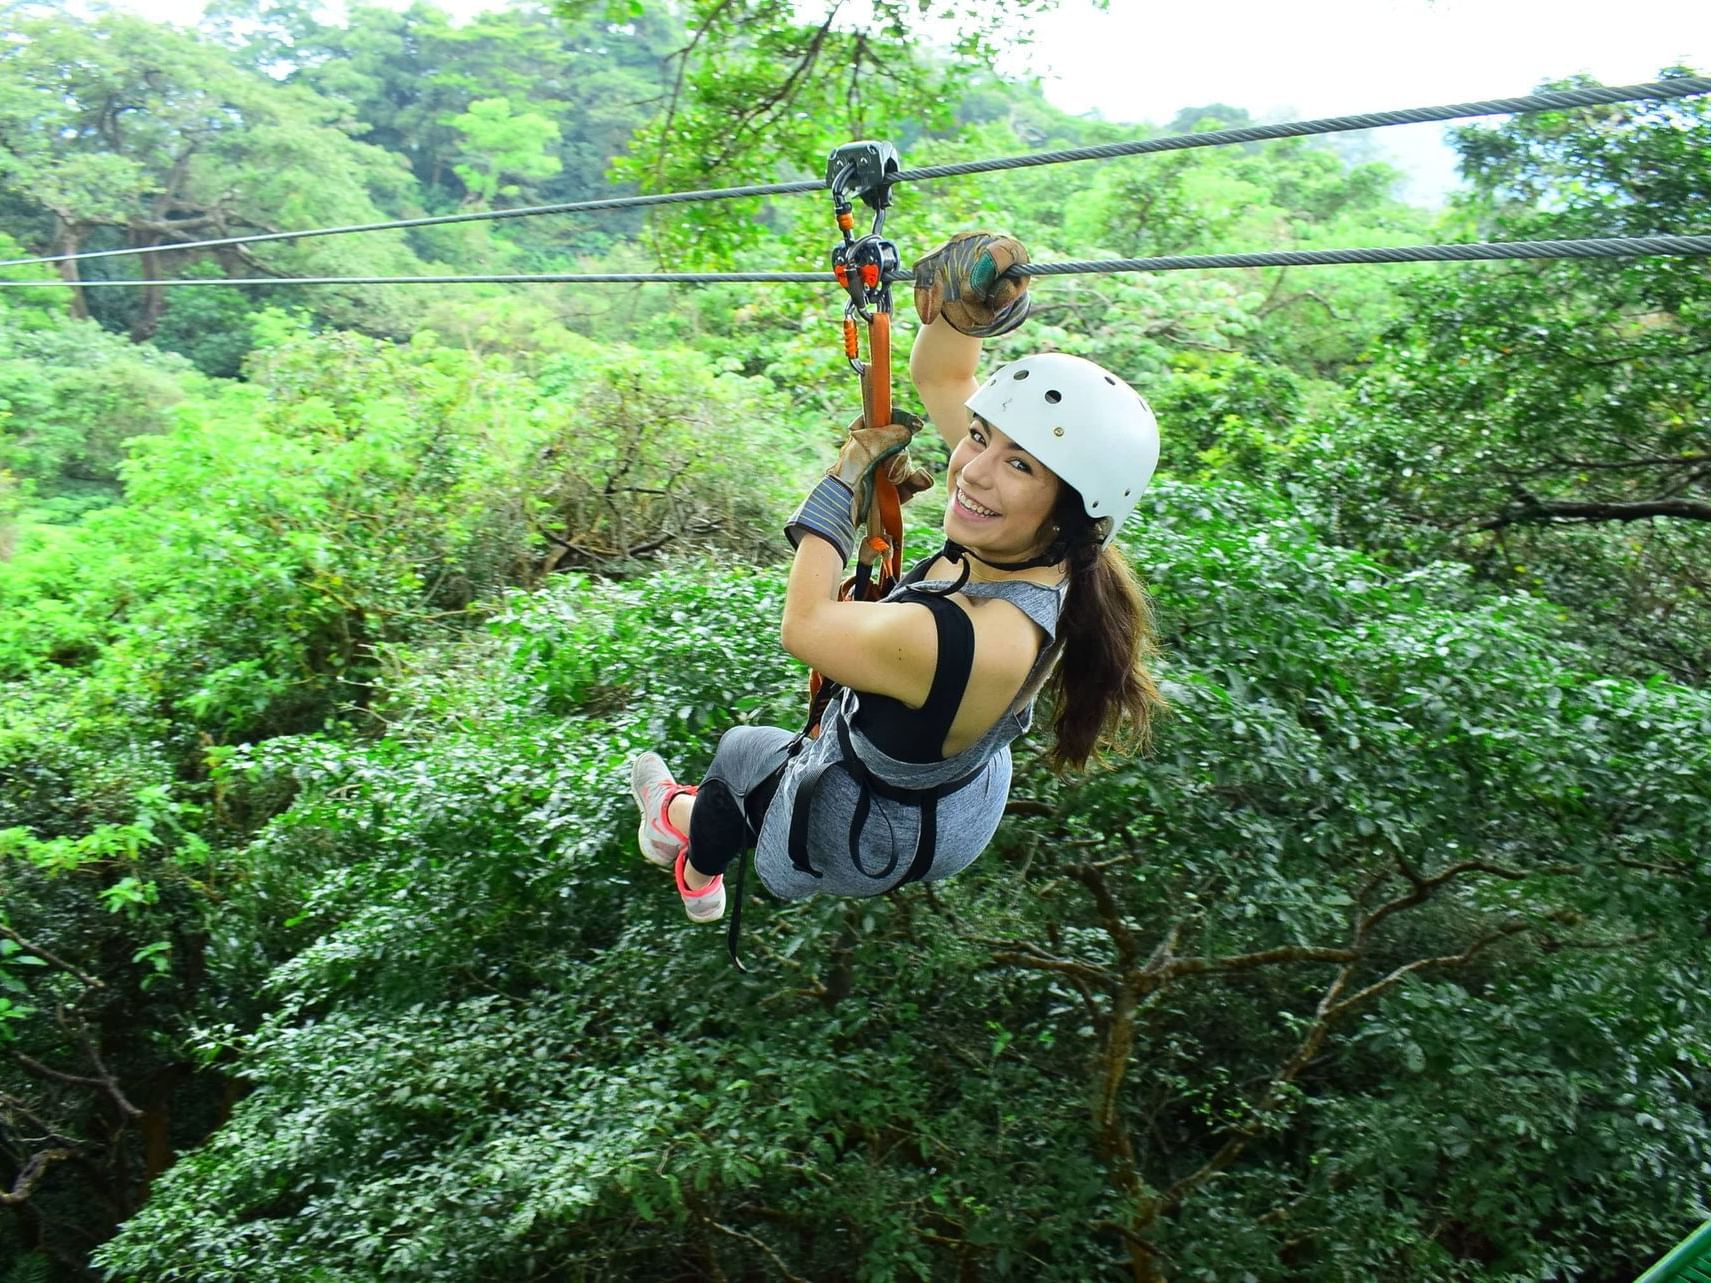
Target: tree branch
column 107, row 1083
column 1034, row 960
column 31, row 1175
column 1420, row 964
column 773, row 1256
column 1251, row 961
column 1110, row 916
column 1424, row 886
column 48, row 956
column 1533, row 511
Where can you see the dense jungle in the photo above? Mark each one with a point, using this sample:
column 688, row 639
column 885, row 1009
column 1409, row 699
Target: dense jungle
column 331, row 615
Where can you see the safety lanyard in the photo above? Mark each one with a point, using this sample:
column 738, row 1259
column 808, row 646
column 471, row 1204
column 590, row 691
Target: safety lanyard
column 862, row 265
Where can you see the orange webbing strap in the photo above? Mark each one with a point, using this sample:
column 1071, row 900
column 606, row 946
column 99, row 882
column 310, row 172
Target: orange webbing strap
column 880, row 556
column 885, row 517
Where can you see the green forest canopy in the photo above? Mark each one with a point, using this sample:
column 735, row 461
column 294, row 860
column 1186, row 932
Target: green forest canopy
column 328, row 620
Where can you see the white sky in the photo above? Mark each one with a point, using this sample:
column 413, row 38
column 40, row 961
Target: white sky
column 1144, row 62
column 1343, row 57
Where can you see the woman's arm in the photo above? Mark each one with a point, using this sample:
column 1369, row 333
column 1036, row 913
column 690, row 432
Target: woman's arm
column 887, row 648
column 942, row 365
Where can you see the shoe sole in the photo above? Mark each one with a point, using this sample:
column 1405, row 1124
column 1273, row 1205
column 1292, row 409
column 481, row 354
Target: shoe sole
column 719, row 900
column 643, row 837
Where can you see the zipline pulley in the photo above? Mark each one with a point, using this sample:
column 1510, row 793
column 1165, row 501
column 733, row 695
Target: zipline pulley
column 866, row 171
column 863, row 171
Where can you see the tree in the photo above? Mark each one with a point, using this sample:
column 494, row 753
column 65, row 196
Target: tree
column 121, row 133
column 764, row 88
column 498, row 142
column 1362, row 974
column 407, row 75
column 1549, row 420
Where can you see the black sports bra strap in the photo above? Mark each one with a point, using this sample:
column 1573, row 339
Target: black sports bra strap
column 956, row 662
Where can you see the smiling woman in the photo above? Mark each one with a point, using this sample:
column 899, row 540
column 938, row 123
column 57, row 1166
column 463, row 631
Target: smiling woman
column 909, row 775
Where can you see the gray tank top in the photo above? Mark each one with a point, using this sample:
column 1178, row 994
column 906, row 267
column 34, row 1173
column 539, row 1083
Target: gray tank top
column 861, row 844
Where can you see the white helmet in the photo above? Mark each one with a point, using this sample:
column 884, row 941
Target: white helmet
column 1087, row 425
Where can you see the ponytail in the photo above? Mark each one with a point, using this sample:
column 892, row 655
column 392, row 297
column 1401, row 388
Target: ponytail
column 1102, row 694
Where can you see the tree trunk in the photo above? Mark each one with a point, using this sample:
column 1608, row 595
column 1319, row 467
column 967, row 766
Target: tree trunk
column 70, row 238
column 154, row 296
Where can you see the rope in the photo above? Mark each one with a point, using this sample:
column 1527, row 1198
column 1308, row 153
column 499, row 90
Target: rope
column 1677, row 87
column 1606, row 247
column 1555, row 100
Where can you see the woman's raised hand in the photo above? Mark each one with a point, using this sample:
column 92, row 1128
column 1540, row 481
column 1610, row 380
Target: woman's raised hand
column 970, row 282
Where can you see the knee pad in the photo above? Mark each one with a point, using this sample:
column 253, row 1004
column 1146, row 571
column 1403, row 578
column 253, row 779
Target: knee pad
column 718, row 829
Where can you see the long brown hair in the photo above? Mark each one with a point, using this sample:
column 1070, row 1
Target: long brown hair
column 1102, row 694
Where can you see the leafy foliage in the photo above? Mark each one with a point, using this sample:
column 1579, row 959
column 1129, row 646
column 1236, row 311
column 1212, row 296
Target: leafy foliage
column 321, row 674
column 468, row 1031
column 114, row 124
column 1548, row 422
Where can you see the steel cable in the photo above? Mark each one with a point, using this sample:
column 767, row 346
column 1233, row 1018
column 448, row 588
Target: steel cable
column 1603, row 247
column 439, row 220
column 1553, row 100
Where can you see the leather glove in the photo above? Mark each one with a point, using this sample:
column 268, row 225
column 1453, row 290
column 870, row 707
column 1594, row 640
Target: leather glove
column 884, row 451
column 965, row 281
column 840, row 502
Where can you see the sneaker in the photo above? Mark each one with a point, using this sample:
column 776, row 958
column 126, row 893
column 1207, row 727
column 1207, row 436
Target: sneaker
column 651, row 784
column 705, row 905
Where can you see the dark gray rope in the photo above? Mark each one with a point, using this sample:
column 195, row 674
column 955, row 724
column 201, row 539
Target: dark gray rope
column 1678, row 87
column 1606, row 247
column 1554, row 100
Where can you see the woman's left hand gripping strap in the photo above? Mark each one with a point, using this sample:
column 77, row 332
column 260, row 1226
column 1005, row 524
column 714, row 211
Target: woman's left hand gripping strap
column 839, row 503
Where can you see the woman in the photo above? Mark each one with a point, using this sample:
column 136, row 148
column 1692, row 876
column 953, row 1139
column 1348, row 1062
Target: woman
column 910, row 773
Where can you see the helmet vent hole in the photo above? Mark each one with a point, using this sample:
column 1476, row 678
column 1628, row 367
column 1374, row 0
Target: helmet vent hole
column 1020, row 375
column 1110, row 380
column 1054, row 396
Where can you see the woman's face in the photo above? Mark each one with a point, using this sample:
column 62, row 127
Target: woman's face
column 1001, row 497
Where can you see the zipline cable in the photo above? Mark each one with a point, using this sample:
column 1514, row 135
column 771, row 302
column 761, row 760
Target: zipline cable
column 1553, row 100
column 440, row 220
column 1604, row 247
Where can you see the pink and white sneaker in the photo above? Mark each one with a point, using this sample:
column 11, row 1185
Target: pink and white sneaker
column 662, row 843
column 705, row 905
column 653, row 788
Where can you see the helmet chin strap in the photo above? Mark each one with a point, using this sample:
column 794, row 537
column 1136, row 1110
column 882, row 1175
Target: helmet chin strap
column 955, row 553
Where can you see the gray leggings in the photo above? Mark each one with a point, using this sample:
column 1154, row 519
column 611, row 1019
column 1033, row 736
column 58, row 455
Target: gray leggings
column 735, row 794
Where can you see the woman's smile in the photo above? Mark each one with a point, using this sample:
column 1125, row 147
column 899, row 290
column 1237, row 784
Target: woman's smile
column 969, row 510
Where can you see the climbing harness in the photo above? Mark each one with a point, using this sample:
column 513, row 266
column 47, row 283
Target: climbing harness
column 925, row 801
column 950, row 680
